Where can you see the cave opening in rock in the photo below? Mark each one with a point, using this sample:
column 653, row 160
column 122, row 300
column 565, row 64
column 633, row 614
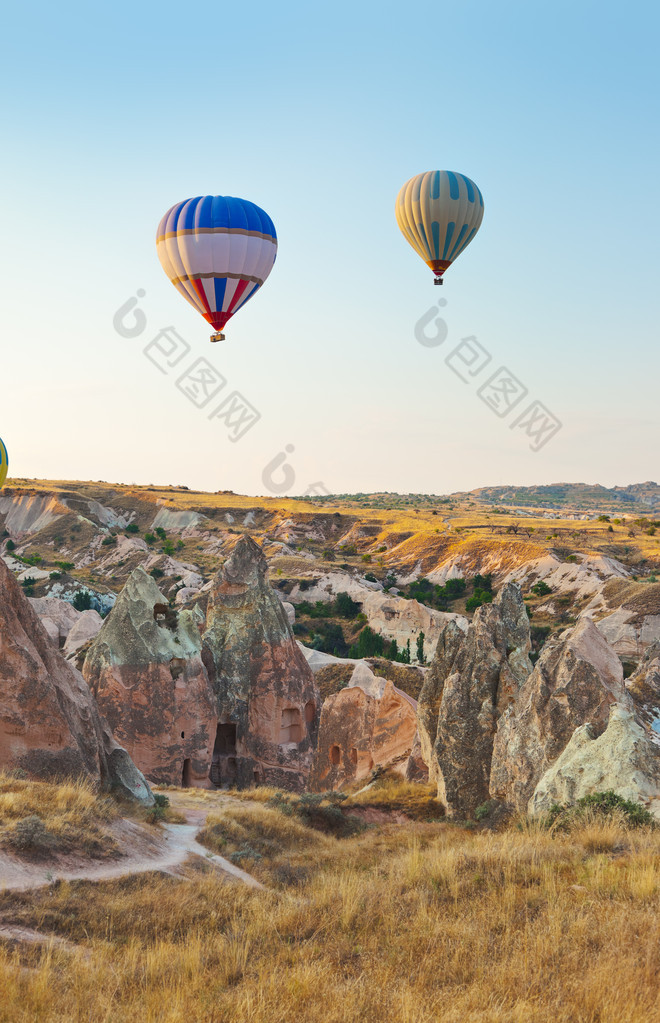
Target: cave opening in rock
column 186, row 774
column 310, row 712
column 166, row 617
column 177, row 665
column 225, row 739
column 335, row 754
column 354, row 755
column 291, row 729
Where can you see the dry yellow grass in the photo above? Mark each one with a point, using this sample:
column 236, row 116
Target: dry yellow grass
column 411, row 925
column 73, row 816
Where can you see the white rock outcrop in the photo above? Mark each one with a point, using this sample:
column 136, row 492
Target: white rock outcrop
column 622, row 759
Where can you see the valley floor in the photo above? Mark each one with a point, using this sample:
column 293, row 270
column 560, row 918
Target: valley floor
column 409, row 919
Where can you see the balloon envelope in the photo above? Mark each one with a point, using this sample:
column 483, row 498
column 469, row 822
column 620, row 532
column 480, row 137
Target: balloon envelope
column 217, row 251
column 439, row 213
column 4, row 463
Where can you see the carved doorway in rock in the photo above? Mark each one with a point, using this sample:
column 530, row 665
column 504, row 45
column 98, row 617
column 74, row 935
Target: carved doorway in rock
column 224, row 770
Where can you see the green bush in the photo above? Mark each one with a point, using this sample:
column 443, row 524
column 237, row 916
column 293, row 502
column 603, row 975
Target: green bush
column 562, row 818
column 82, row 600
column 132, row 527
column 541, row 589
column 346, row 607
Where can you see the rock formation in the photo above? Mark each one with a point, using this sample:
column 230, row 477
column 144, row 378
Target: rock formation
column 87, row 626
column 146, row 671
column 368, row 724
column 644, row 689
column 268, row 702
column 58, row 617
column 49, row 723
column 226, row 701
column 622, row 759
column 576, row 679
column 473, row 679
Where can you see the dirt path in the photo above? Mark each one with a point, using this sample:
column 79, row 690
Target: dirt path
column 165, row 849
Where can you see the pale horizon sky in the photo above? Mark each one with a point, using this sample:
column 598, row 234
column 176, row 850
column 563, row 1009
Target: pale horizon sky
column 319, row 116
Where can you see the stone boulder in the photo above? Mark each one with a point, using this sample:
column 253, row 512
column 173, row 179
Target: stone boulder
column 87, row 627
column 268, row 701
column 576, row 680
column 146, row 671
column 628, row 633
column 368, row 724
column 57, row 616
column 622, row 759
column 50, row 724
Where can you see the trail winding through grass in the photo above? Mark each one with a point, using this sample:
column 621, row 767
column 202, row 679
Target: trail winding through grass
column 144, row 849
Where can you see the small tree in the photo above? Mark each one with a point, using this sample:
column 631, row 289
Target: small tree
column 420, row 648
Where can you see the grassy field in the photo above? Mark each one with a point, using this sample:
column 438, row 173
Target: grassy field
column 413, row 923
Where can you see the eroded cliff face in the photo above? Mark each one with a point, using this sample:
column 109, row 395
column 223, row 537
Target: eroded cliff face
column 473, row 679
column 224, row 701
column 368, row 724
column 576, row 680
column 49, row 721
column 146, row 671
column 268, row 700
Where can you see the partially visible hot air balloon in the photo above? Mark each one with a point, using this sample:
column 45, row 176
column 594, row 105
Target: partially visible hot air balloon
column 4, row 462
column 439, row 213
column 217, row 251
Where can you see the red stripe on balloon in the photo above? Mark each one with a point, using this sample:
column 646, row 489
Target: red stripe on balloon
column 199, row 288
column 240, row 288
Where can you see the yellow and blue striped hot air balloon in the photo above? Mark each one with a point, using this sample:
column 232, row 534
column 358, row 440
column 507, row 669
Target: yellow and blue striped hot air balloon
column 217, row 251
column 439, row 213
column 4, row 462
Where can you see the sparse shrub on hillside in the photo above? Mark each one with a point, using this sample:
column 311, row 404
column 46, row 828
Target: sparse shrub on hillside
column 10, row 545
column 169, row 548
column 603, row 804
column 29, row 835
column 370, row 577
column 132, row 528
column 55, row 576
column 109, row 541
column 65, row 566
column 156, row 573
column 160, row 532
column 541, row 589
column 149, row 538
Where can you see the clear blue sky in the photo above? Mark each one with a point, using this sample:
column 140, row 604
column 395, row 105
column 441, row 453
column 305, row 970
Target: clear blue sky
column 319, row 114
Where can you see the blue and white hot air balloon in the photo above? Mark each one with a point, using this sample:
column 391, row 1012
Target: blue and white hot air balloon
column 217, row 251
column 439, row 213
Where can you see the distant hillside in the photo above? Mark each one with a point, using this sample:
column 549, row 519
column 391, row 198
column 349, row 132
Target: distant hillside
column 641, row 497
